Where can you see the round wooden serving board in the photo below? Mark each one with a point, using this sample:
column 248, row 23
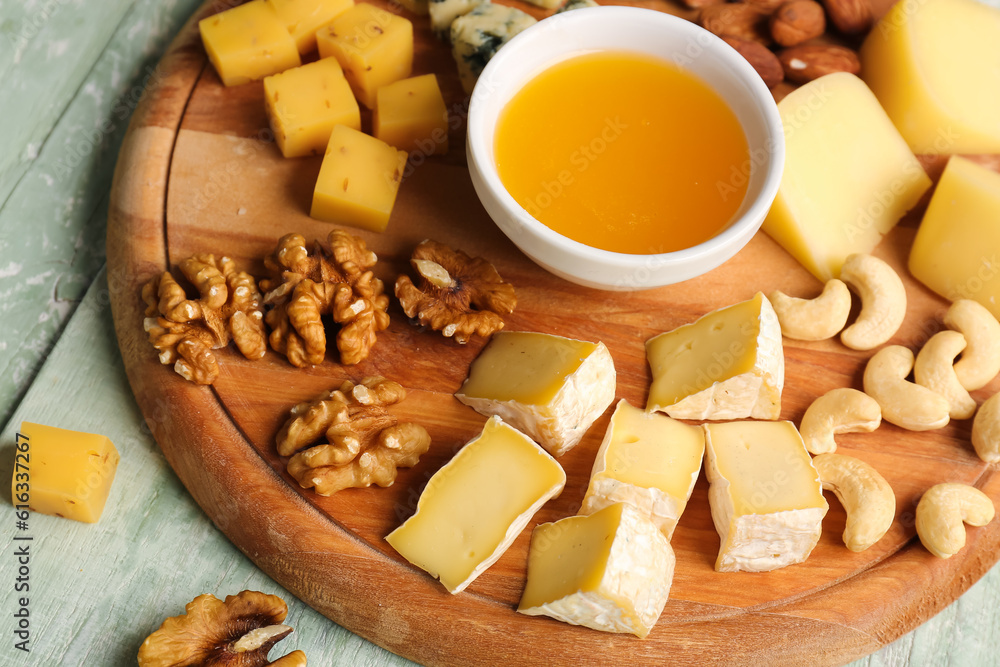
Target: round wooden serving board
column 197, row 174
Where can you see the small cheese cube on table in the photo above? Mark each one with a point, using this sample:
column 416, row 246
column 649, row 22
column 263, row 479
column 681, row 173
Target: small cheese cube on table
column 957, row 249
column 649, row 461
column 766, row 496
column 411, row 115
column 918, row 62
column 358, row 180
column 474, row 507
column 849, row 176
column 478, row 35
column 727, row 365
column 550, row 387
column 305, row 103
column 609, row 571
column 70, row 473
column 375, row 47
column 303, row 18
column 248, row 42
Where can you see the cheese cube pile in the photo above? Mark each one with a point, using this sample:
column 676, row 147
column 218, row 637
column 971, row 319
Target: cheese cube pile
column 373, row 46
column 304, row 104
column 248, row 42
column 303, row 18
column 358, row 180
column 70, row 472
column 411, row 115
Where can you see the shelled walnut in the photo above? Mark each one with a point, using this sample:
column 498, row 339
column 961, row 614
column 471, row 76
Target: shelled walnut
column 457, row 295
column 237, row 632
column 365, row 444
column 185, row 331
column 305, row 284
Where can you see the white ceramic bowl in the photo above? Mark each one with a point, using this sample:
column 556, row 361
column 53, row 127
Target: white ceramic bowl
column 650, row 32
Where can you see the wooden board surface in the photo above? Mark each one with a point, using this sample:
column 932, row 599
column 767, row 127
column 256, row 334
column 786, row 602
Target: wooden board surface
column 198, row 174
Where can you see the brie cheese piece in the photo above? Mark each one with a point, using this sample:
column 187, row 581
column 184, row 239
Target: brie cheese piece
column 550, row 387
column 649, row 461
column 474, row 507
column 609, row 571
column 766, row 496
column 727, row 365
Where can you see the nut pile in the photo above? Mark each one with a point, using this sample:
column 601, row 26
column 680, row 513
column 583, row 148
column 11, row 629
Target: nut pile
column 790, row 40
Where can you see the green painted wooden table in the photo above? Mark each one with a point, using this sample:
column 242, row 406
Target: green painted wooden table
column 70, row 74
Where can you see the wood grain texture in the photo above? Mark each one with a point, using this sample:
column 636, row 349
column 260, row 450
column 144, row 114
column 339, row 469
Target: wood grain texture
column 197, row 174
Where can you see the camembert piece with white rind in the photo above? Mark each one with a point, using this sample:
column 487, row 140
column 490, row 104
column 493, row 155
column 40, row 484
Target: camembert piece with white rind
column 550, row 387
column 727, row 365
column 918, row 61
column 475, row 506
column 849, row 176
column 766, row 496
column 609, row 571
column 649, row 461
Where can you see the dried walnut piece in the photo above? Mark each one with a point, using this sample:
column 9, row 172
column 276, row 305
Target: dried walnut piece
column 365, row 444
column 306, row 284
column 457, row 295
column 237, row 632
column 185, row 331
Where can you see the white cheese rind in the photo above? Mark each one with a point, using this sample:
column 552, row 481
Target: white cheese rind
column 662, row 508
column 561, row 424
column 639, row 572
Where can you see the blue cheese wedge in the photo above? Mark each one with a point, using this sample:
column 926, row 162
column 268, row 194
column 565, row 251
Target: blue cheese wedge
column 444, row 12
column 649, row 461
column 478, row 35
column 609, row 571
column 727, row 365
column 550, row 387
column 577, row 4
column 765, row 494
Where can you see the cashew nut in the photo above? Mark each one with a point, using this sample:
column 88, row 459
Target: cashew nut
column 980, row 361
column 934, row 369
column 903, row 403
column 813, row 319
column 986, row 430
column 866, row 496
column 841, row 410
column 883, row 301
column 941, row 512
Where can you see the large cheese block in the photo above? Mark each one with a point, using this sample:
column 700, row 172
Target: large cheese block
column 727, row 365
column 475, row 506
column 849, row 176
column 69, row 473
column 935, row 67
column 766, row 496
column 609, row 571
column 649, row 461
column 550, row 387
column 957, row 249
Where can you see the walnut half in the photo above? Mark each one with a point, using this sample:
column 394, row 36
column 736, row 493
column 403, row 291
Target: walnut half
column 237, row 632
column 185, row 331
column 365, row 444
column 457, row 295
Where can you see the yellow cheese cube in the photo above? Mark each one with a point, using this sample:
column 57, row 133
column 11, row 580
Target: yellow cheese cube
column 373, row 46
column 69, row 473
column 649, row 461
column 305, row 103
column 247, row 43
column 474, row 507
column 302, row 18
column 411, row 115
column 849, row 176
column 957, row 249
column 609, row 571
column 935, row 67
column 358, row 180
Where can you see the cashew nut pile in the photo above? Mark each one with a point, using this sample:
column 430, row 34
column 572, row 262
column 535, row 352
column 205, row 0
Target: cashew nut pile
column 942, row 511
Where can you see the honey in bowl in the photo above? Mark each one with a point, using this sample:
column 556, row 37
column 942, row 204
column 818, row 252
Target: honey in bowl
column 623, row 152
